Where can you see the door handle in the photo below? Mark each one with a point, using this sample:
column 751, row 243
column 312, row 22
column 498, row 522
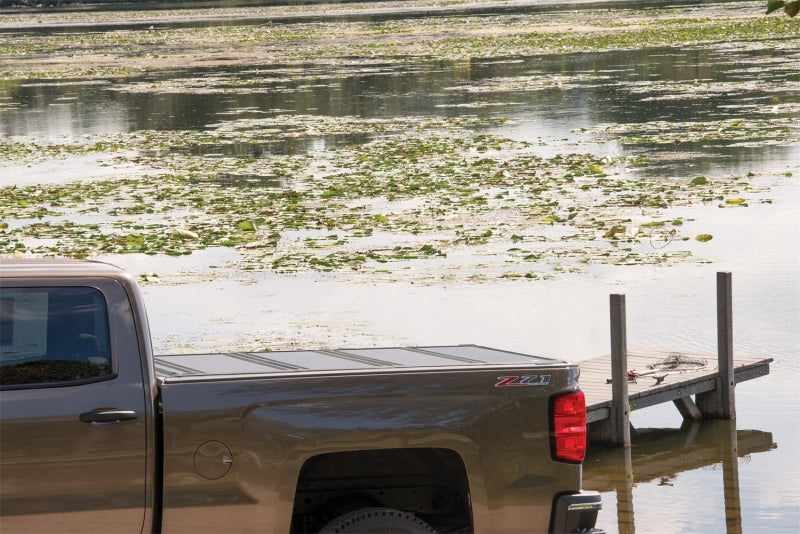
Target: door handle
column 107, row 416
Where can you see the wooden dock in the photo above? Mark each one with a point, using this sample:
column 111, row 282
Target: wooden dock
column 659, row 386
column 700, row 386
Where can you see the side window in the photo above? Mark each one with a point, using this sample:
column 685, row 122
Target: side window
column 53, row 335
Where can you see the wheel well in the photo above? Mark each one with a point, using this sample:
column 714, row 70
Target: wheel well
column 428, row 482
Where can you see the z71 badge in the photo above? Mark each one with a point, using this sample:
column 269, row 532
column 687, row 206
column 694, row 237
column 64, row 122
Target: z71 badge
column 526, row 380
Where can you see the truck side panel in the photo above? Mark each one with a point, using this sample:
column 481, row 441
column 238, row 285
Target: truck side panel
column 243, row 443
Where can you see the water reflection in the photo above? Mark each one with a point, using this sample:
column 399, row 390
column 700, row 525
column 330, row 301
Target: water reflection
column 543, row 97
column 288, row 145
column 662, row 454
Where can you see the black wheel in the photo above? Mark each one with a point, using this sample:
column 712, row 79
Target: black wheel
column 377, row 521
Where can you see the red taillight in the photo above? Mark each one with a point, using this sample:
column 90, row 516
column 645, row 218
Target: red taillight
column 569, row 426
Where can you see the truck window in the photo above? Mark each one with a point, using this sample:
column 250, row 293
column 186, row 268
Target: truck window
column 53, row 336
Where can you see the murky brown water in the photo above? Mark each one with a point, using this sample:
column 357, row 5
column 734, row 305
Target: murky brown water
column 709, row 477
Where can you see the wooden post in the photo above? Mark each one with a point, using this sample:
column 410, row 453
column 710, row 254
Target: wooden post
column 726, row 381
column 721, row 403
column 620, row 411
column 616, row 429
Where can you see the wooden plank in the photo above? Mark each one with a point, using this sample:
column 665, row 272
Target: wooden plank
column 742, row 374
column 672, row 392
column 597, row 413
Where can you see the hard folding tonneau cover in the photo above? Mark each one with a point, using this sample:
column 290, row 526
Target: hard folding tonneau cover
column 243, row 363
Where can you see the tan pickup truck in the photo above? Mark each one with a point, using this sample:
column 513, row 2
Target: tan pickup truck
column 99, row 435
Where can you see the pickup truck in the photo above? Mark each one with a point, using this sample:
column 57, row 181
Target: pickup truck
column 99, row 435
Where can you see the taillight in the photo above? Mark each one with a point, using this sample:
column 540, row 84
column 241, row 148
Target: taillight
column 568, row 424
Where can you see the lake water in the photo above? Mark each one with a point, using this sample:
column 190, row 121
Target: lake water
column 681, row 479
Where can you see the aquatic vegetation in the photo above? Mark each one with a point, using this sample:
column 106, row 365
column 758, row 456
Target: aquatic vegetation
column 293, row 191
column 773, row 131
column 654, row 31
column 130, row 50
column 430, row 187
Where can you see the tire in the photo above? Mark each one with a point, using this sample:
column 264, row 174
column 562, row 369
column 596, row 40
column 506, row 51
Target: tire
column 377, row 521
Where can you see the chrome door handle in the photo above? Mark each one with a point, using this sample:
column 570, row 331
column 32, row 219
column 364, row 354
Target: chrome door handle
column 107, row 416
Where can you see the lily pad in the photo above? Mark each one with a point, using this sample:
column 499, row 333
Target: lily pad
column 613, row 231
column 704, row 238
column 247, row 226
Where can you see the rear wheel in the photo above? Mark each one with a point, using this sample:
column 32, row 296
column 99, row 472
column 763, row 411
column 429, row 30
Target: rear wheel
column 377, row 521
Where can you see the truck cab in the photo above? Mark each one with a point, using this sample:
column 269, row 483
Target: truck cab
column 77, row 432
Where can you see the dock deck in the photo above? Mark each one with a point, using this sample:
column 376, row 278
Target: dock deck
column 646, row 390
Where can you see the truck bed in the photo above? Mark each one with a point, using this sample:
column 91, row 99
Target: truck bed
column 349, row 360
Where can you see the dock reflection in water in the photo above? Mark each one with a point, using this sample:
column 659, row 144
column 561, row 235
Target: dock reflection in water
column 658, row 454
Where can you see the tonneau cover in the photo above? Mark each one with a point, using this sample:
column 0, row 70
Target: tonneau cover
column 238, row 363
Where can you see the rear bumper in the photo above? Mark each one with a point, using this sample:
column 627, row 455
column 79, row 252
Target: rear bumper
column 576, row 512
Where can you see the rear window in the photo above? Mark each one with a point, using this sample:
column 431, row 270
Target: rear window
column 53, row 335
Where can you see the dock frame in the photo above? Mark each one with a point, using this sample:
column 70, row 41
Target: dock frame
column 611, row 393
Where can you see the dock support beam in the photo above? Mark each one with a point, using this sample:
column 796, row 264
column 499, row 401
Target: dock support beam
column 721, row 402
column 616, row 430
column 688, row 409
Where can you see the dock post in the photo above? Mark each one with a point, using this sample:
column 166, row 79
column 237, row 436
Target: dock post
column 721, row 403
column 620, row 410
column 616, row 429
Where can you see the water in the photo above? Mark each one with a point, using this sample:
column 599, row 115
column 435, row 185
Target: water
column 684, row 478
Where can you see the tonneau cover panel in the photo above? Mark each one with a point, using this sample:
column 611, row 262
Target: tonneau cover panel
column 237, row 363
